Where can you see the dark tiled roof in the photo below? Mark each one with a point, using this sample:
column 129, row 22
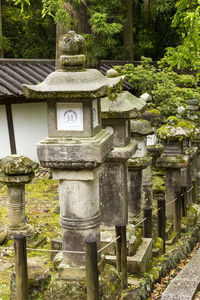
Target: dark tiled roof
column 13, row 73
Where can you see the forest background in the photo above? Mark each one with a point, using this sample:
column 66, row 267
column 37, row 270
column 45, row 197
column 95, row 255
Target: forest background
column 114, row 29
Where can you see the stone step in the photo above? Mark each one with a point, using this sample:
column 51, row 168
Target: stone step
column 186, row 283
column 138, row 263
column 107, row 236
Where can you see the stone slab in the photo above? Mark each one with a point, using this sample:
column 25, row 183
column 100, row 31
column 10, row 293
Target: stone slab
column 186, row 283
column 71, row 150
column 173, row 162
column 123, row 153
column 80, row 175
column 180, row 289
column 138, row 263
column 108, row 236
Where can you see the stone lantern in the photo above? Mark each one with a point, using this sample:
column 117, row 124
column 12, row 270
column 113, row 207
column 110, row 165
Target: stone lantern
column 140, row 129
column 154, row 149
column 176, row 135
column 117, row 111
column 193, row 114
column 76, row 146
column 16, row 171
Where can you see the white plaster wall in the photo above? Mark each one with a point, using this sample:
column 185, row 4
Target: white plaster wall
column 30, row 127
column 4, row 136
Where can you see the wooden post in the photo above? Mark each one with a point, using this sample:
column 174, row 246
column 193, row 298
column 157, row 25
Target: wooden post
column 21, row 267
column 121, row 253
column 161, row 220
column 118, row 247
column 124, row 257
column 92, row 273
column 177, row 215
column 147, row 228
column 194, row 191
column 184, row 201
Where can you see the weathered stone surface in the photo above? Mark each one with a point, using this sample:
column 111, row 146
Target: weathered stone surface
column 16, row 180
column 4, row 266
column 61, row 85
column 185, row 284
column 146, row 97
column 151, row 115
column 134, row 192
column 138, row 263
column 17, row 165
column 124, row 105
column 58, row 151
column 78, row 219
column 139, row 162
column 173, row 162
column 123, row 153
column 177, row 130
column 141, row 127
column 113, row 193
column 112, row 73
column 72, row 43
column 3, row 236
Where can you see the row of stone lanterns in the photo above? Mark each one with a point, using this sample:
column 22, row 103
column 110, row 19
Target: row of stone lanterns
column 177, row 160
column 105, row 175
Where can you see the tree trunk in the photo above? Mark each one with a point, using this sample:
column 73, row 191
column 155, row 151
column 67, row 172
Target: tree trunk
column 1, row 33
column 83, row 25
column 128, row 29
column 147, row 5
column 60, row 30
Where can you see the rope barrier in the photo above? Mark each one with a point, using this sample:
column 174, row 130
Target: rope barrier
column 171, row 201
column 113, row 241
column 175, row 199
column 190, row 189
column 157, row 210
column 63, row 251
column 140, row 222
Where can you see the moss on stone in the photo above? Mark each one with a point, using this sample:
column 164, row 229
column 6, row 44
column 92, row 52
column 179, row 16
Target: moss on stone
column 177, row 130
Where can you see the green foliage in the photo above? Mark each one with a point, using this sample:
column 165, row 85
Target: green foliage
column 152, row 30
column 168, row 89
column 5, row 44
column 56, row 9
column 186, row 21
column 23, row 3
column 101, row 23
column 26, row 34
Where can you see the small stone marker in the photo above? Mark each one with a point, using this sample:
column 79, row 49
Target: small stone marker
column 16, row 171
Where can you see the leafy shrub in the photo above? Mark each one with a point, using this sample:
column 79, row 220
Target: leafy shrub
column 168, row 89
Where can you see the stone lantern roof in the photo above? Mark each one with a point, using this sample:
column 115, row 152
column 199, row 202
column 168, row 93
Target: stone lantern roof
column 124, row 105
column 177, row 130
column 73, row 80
column 141, row 127
column 121, row 105
column 17, row 169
